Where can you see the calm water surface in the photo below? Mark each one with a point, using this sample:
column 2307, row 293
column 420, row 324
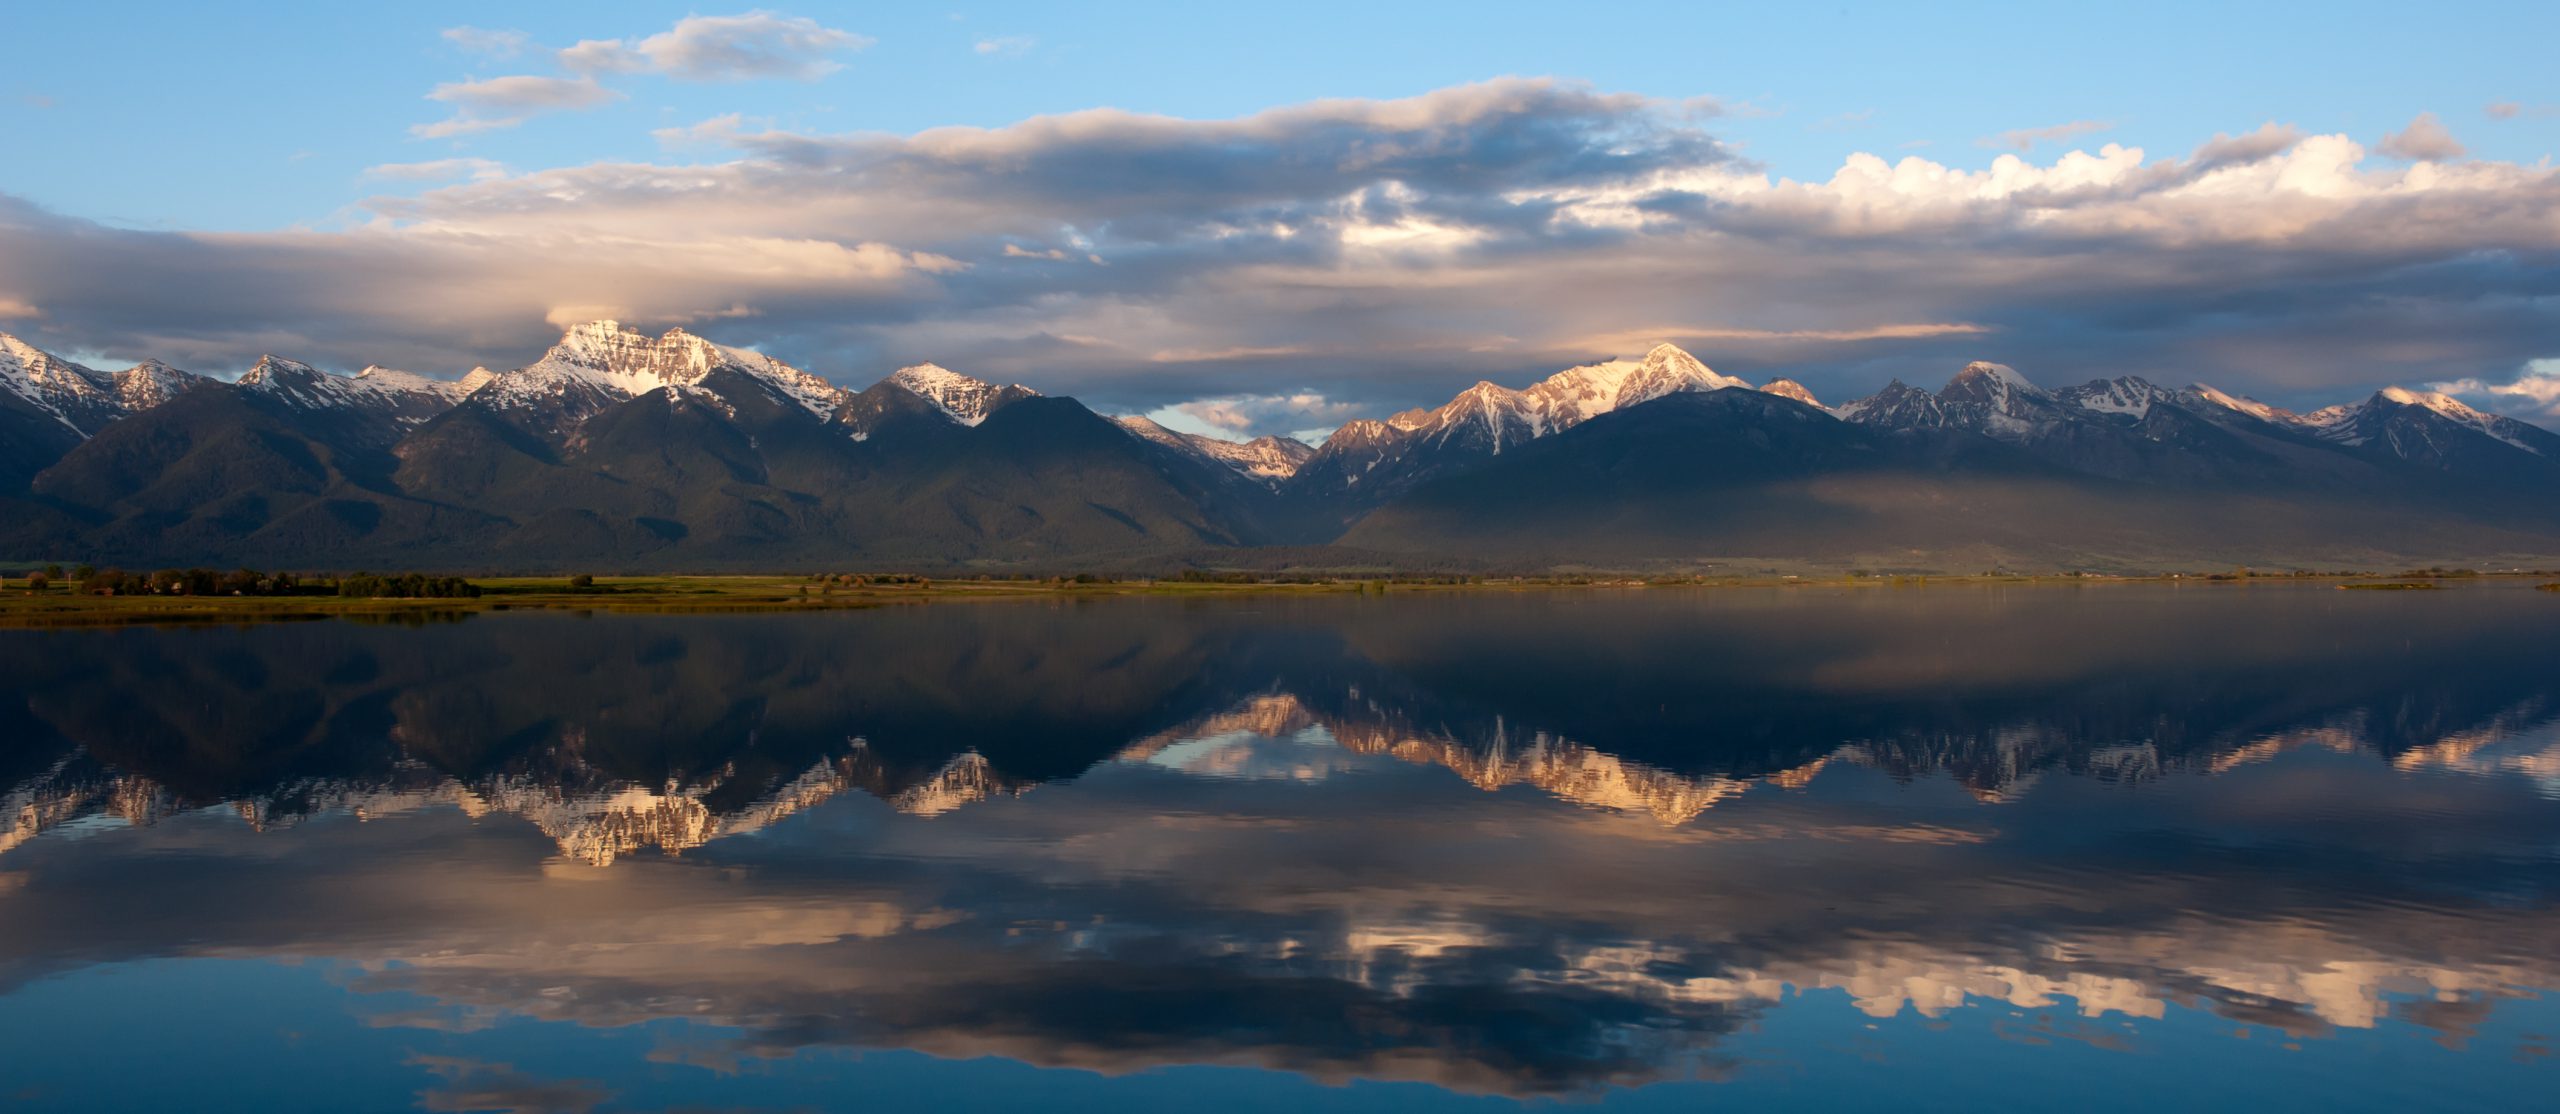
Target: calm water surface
column 2244, row 848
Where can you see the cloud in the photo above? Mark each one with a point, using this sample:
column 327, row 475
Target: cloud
column 1008, row 46
column 504, row 102
column 2271, row 139
column 482, row 41
column 2027, row 139
column 2425, row 139
column 1378, row 254
column 2518, row 110
column 722, row 48
column 2534, row 392
column 716, row 130
column 1248, row 416
column 470, row 1085
column 437, row 170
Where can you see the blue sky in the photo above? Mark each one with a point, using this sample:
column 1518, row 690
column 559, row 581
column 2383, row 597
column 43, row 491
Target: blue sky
column 195, row 121
column 270, row 119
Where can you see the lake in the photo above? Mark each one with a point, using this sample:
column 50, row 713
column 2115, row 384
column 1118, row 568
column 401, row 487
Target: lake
column 2234, row 847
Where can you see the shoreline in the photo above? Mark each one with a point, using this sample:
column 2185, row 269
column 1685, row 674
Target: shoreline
column 60, row 606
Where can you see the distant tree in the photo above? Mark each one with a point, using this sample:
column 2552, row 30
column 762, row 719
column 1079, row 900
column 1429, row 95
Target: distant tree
column 582, row 580
column 53, row 572
column 110, row 582
column 37, row 582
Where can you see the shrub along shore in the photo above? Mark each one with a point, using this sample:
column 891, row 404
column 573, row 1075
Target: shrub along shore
column 57, row 597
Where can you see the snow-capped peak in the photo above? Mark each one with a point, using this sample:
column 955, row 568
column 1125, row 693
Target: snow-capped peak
column 2125, row 394
column 2503, row 428
column 81, row 399
column 404, row 397
column 1268, row 459
column 150, row 383
column 967, row 400
column 1986, row 380
column 601, row 362
column 391, row 379
column 2441, row 403
column 1789, row 388
column 2241, row 403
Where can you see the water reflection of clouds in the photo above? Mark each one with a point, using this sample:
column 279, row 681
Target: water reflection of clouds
column 1493, row 902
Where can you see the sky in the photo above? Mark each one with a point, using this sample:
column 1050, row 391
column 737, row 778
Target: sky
column 1262, row 220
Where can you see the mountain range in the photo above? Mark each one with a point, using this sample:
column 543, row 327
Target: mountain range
column 617, row 450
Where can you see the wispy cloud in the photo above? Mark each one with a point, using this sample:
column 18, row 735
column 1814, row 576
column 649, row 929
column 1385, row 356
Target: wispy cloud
column 1006, row 46
column 504, row 102
column 2425, row 139
column 745, row 47
column 486, row 42
column 2027, row 139
column 722, row 48
column 2518, row 110
column 437, row 170
column 2268, row 141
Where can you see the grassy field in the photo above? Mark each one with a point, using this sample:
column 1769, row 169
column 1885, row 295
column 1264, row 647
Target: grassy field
column 59, row 605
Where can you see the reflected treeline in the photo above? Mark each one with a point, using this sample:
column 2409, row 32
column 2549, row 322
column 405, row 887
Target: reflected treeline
column 619, row 733
column 1264, row 858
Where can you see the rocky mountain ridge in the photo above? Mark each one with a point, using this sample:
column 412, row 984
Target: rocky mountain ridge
column 615, row 444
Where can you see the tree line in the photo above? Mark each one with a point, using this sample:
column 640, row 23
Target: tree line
column 92, row 581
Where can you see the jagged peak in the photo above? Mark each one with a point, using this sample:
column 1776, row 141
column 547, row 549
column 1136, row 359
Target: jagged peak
column 270, row 366
column 964, row 399
column 2130, row 395
column 933, row 376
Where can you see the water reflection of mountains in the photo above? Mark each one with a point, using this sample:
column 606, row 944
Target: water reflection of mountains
column 1393, row 925
column 615, row 734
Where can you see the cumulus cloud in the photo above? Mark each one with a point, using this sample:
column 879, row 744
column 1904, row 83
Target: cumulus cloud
column 2027, row 139
column 722, row 48
column 504, row 102
column 1376, row 254
column 482, row 41
column 2534, row 392
column 2424, row 139
column 1248, row 416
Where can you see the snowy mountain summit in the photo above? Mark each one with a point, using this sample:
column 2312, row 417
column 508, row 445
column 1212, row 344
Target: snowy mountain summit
column 601, row 362
column 81, row 399
column 965, row 400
